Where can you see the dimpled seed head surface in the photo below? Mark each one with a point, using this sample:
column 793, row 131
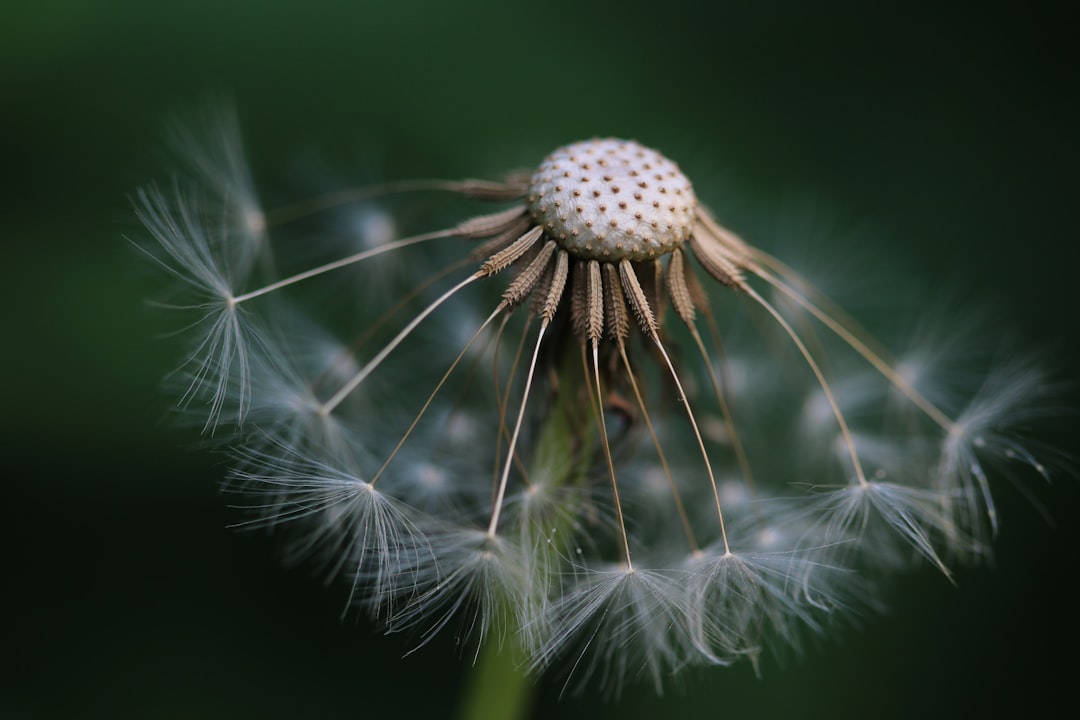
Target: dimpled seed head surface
column 612, row 199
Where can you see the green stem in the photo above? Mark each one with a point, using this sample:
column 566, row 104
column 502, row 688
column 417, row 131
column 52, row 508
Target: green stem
column 497, row 689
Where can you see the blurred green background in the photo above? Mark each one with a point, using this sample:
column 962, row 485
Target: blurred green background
column 947, row 136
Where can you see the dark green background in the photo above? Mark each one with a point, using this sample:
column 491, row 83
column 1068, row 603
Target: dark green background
column 949, row 137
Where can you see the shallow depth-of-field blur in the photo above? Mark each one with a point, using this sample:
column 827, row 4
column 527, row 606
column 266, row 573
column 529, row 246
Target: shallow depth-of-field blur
column 944, row 142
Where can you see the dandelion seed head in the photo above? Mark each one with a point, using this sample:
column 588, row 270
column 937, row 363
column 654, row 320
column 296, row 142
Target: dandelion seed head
column 734, row 494
column 470, row 581
column 909, row 370
column 373, row 227
column 817, row 411
column 212, row 151
column 770, row 538
column 595, row 425
column 619, row 624
column 742, row 601
column 655, row 482
column 612, row 199
column 716, row 429
column 431, row 476
column 254, row 220
column 462, row 427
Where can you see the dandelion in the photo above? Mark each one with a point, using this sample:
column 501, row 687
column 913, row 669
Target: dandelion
column 541, row 434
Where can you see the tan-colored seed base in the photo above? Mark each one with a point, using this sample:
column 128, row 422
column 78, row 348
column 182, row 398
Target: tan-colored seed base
column 612, row 200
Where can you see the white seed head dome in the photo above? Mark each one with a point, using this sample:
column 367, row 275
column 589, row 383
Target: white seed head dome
column 610, row 199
